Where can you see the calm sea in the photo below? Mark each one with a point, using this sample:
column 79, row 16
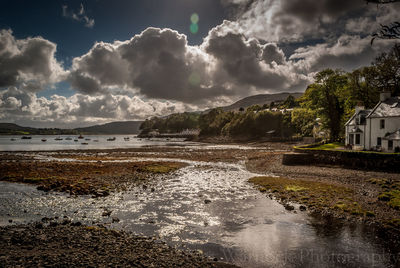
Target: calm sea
column 67, row 142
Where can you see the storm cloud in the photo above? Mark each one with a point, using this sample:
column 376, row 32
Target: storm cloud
column 28, row 63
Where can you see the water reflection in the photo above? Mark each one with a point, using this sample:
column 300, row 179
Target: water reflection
column 210, row 206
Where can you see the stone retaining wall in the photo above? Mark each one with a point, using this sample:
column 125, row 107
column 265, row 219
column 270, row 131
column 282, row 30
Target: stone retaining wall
column 356, row 160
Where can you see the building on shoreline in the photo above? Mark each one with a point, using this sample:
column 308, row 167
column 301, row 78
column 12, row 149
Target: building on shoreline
column 377, row 128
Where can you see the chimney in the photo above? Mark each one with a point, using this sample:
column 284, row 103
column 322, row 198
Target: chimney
column 384, row 95
column 359, row 107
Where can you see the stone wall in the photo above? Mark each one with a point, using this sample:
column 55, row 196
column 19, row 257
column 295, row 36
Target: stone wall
column 349, row 159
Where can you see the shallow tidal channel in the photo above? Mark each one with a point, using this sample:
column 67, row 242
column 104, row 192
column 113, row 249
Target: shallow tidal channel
column 210, row 207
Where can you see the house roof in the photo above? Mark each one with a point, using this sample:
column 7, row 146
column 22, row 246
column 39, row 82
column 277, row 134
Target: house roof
column 393, row 136
column 355, row 130
column 387, row 108
column 362, row 113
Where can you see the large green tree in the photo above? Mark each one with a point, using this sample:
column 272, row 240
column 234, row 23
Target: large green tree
column 325, row 97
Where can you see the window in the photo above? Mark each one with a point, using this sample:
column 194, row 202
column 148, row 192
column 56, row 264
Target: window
column 351, row 139
column 379, row 142
column 382, row 123
column 390, row 145
column 358, row 139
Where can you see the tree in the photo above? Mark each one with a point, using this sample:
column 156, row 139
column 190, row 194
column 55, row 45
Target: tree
column 303, row 121
column 391, row 31
column 290, row 102
column 325, row 98
column 388, row 70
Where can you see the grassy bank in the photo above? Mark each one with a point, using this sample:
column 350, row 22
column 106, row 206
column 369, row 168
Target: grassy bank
column 338, row 200
column 315, row 195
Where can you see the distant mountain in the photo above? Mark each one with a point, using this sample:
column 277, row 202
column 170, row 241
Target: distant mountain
column 125, row 127
column 128, row 127
column 260, row 100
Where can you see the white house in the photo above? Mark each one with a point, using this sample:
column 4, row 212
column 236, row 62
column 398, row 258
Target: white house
column 377, row 128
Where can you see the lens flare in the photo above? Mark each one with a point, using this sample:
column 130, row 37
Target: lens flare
column 194, row 79
column 194, row 28
column 194, row 18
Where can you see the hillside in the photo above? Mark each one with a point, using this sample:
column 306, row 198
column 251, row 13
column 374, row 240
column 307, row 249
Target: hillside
column 260, row 100
column 125, row 127
column 128, row 127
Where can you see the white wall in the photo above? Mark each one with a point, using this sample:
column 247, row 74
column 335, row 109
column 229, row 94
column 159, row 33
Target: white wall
column 391, row 125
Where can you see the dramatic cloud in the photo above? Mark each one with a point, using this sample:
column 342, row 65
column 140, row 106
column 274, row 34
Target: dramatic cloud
column 20, row 106
column 156, row 63
column 28, row 63
column 299, row 20
column 78, row 16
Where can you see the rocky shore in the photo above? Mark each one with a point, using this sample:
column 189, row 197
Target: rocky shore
column 66, row 244
column 353, row 195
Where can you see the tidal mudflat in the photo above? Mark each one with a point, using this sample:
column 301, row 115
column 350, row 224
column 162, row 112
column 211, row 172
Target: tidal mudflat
column 194, row 199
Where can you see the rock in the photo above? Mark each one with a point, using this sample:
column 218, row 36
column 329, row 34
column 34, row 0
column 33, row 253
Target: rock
column 78, row 223
column 303, row 208
column 152, row 189
column 115, row 219
column 106, row 213
column 10, row 220
column 289, row 207
column 207, row 201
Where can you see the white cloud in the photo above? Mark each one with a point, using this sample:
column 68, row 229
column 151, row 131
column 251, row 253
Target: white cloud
column 80, row 15
column 28, row 63
column 17, row 105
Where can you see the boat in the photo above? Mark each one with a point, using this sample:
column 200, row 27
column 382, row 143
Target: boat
column 84, row 143
column 68, row 139
column 58, row 139
column 80, row 137
column 87, row 139
column 111, row 139
column 12, row 139
column 95, row 140
column 26, row 137
column 44, row 140
column 126, row 139
column 75, row 140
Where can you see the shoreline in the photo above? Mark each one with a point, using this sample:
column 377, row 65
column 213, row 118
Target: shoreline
column 264, row 158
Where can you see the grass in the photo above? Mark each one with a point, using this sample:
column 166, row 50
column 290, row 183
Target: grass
column 391, row 197
column 316, row 195
column 336, row 146
column 329, row 146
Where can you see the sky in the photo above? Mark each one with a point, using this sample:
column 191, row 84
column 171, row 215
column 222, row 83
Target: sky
column 78, row 63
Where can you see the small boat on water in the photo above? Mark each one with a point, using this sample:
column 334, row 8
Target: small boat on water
column 126, row 139
column 68, row 139
column 95, row 140
column 84, row 143
column 80, row 137
column 87, row 139
column 12, row 139
column 44, row 140
column 58, row 139
column 111, row 139
column 75, row 140
column 26, row 138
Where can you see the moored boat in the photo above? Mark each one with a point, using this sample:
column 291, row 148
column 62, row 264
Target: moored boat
column 58, row 139
column 80, row 137
column 26, row 138
column 44, row 140
column 111, row 139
